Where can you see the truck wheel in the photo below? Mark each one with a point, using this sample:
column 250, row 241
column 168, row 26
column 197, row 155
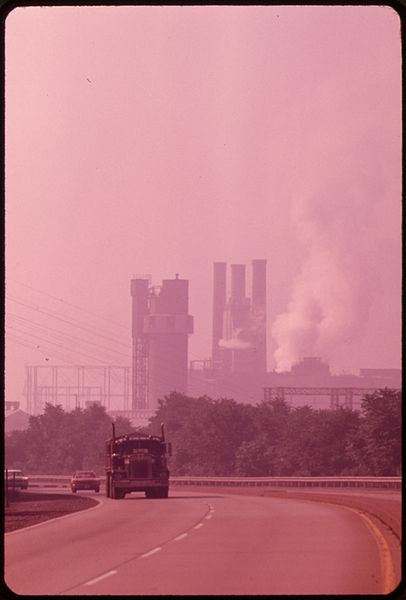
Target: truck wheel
column 117, row 494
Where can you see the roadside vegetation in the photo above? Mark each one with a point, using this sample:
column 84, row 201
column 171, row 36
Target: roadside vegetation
column 225, row 438
column 60, row 443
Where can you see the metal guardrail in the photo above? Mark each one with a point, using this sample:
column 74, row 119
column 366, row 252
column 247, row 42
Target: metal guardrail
column 297, row 482
column 335, row 482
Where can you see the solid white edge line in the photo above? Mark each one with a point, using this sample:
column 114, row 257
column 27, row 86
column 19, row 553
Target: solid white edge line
column 97, row 579
column 150, row 552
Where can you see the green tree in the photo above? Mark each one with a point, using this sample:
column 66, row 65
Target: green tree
column 59, row 442
column 254, row 459
column 381, row 432
column 205, row 433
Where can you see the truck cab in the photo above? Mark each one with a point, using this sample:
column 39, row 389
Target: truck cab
column 137, row 463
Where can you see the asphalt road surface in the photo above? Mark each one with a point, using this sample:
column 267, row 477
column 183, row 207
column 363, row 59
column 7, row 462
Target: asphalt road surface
column 198, row 543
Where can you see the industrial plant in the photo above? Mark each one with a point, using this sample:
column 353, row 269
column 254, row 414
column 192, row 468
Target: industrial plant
column 160, row 329
column 237, row 368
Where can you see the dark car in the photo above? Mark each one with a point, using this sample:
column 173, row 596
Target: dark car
column 85, row 480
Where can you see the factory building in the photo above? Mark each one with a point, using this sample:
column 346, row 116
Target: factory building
column 238, row 365
column 239, row 325
column 310, row 381
column 237, row 368
column 160, row 328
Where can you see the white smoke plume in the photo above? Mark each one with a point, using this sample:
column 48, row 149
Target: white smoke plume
column 236, row 342
column 338, row 226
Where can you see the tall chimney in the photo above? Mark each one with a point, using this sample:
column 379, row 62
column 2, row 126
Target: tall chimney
column 259, row 283
column 237, row 284
column 219, row 302
column 258, row 308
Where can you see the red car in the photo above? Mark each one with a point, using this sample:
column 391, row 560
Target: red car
column 85, row 480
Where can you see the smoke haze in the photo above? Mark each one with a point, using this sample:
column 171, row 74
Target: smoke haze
column 340, row 221
column 160, row 139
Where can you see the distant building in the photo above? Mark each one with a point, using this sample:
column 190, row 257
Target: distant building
column 11, row 405
column 310, row 382
column 15, row 420
column 239, row 323
column 160, row 329
column 237, row 368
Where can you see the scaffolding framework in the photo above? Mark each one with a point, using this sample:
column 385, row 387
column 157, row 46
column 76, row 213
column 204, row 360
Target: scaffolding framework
column 44, row 384
column 335, row 394
column 140, row 373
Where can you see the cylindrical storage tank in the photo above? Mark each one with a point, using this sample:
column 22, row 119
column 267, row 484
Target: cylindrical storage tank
column 219, row 302
column 237, row 284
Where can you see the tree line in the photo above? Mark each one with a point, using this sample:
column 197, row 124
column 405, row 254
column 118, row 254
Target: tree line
column 220, row 437
column 58, row 442
column 225, row 438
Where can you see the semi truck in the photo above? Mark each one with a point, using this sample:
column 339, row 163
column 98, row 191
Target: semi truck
column 137, row 462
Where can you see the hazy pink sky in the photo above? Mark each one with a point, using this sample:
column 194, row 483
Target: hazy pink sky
column 159, row 139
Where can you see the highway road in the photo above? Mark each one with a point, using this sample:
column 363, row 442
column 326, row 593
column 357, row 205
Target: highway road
column 200, row 543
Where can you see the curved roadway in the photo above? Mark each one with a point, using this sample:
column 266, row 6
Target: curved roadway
column 197, row 543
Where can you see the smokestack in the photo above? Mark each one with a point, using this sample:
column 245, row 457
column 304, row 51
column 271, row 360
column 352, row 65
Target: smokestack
column 258, row 308
column 237, row 284
column 259, row 284
column 219, row 302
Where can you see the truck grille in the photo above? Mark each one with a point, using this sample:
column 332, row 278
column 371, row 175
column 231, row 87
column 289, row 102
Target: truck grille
column 139, row 469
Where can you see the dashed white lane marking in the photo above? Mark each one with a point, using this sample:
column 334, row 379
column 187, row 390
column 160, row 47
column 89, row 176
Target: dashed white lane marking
column 97, row 579
column 150, row 552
